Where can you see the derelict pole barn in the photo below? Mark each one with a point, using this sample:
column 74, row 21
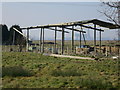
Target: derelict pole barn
column 72, row 24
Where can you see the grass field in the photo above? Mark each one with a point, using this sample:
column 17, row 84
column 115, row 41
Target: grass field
column 33, row 70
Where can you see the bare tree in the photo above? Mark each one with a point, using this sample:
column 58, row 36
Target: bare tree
column 112, row 12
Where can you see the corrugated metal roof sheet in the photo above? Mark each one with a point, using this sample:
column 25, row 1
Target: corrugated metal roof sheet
column 105, row 24
column 93, row 21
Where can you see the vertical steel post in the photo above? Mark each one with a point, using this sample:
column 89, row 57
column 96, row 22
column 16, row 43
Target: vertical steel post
column 43, row 42
column 62, row 44
column 100, row 41
column 72, row 39
column 83, row 35
column 27, row 48
column 118, row 21
column 13, row 38
column 119, row 40
column 40, row 42
column 95, row 38
column 84, row 38
column 55, row 39
column 80, row 39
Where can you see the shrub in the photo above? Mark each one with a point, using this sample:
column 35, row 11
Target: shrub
column 15, row 71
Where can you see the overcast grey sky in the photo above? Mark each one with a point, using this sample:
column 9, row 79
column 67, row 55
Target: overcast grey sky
column 38, row 13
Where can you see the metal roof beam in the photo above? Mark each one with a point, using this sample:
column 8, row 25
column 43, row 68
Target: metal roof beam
column 57, row 30
column 48, row 26
column 91, row 27
column 76, row 30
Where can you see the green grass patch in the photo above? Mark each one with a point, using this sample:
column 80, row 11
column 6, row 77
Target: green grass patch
column 33, row 70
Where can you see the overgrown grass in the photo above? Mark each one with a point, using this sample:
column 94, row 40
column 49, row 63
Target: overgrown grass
column 32, row 70
column 93, row 83
column 15, row 71
column 67, row 72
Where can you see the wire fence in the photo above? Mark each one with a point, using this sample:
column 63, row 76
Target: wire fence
column 106, row 50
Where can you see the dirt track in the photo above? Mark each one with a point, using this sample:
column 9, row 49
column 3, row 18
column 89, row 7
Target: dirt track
column 68, row 56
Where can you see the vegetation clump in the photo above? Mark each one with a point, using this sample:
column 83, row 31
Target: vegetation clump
column 68, row 72
column 15, row 71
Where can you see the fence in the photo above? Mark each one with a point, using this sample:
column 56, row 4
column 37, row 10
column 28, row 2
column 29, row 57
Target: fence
column 13, row 48
column 35, row 48
column 109, row 50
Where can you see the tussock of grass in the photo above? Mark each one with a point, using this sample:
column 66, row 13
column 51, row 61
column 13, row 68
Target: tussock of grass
column 67, row 72
column 93, row 83
column 15, row 71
